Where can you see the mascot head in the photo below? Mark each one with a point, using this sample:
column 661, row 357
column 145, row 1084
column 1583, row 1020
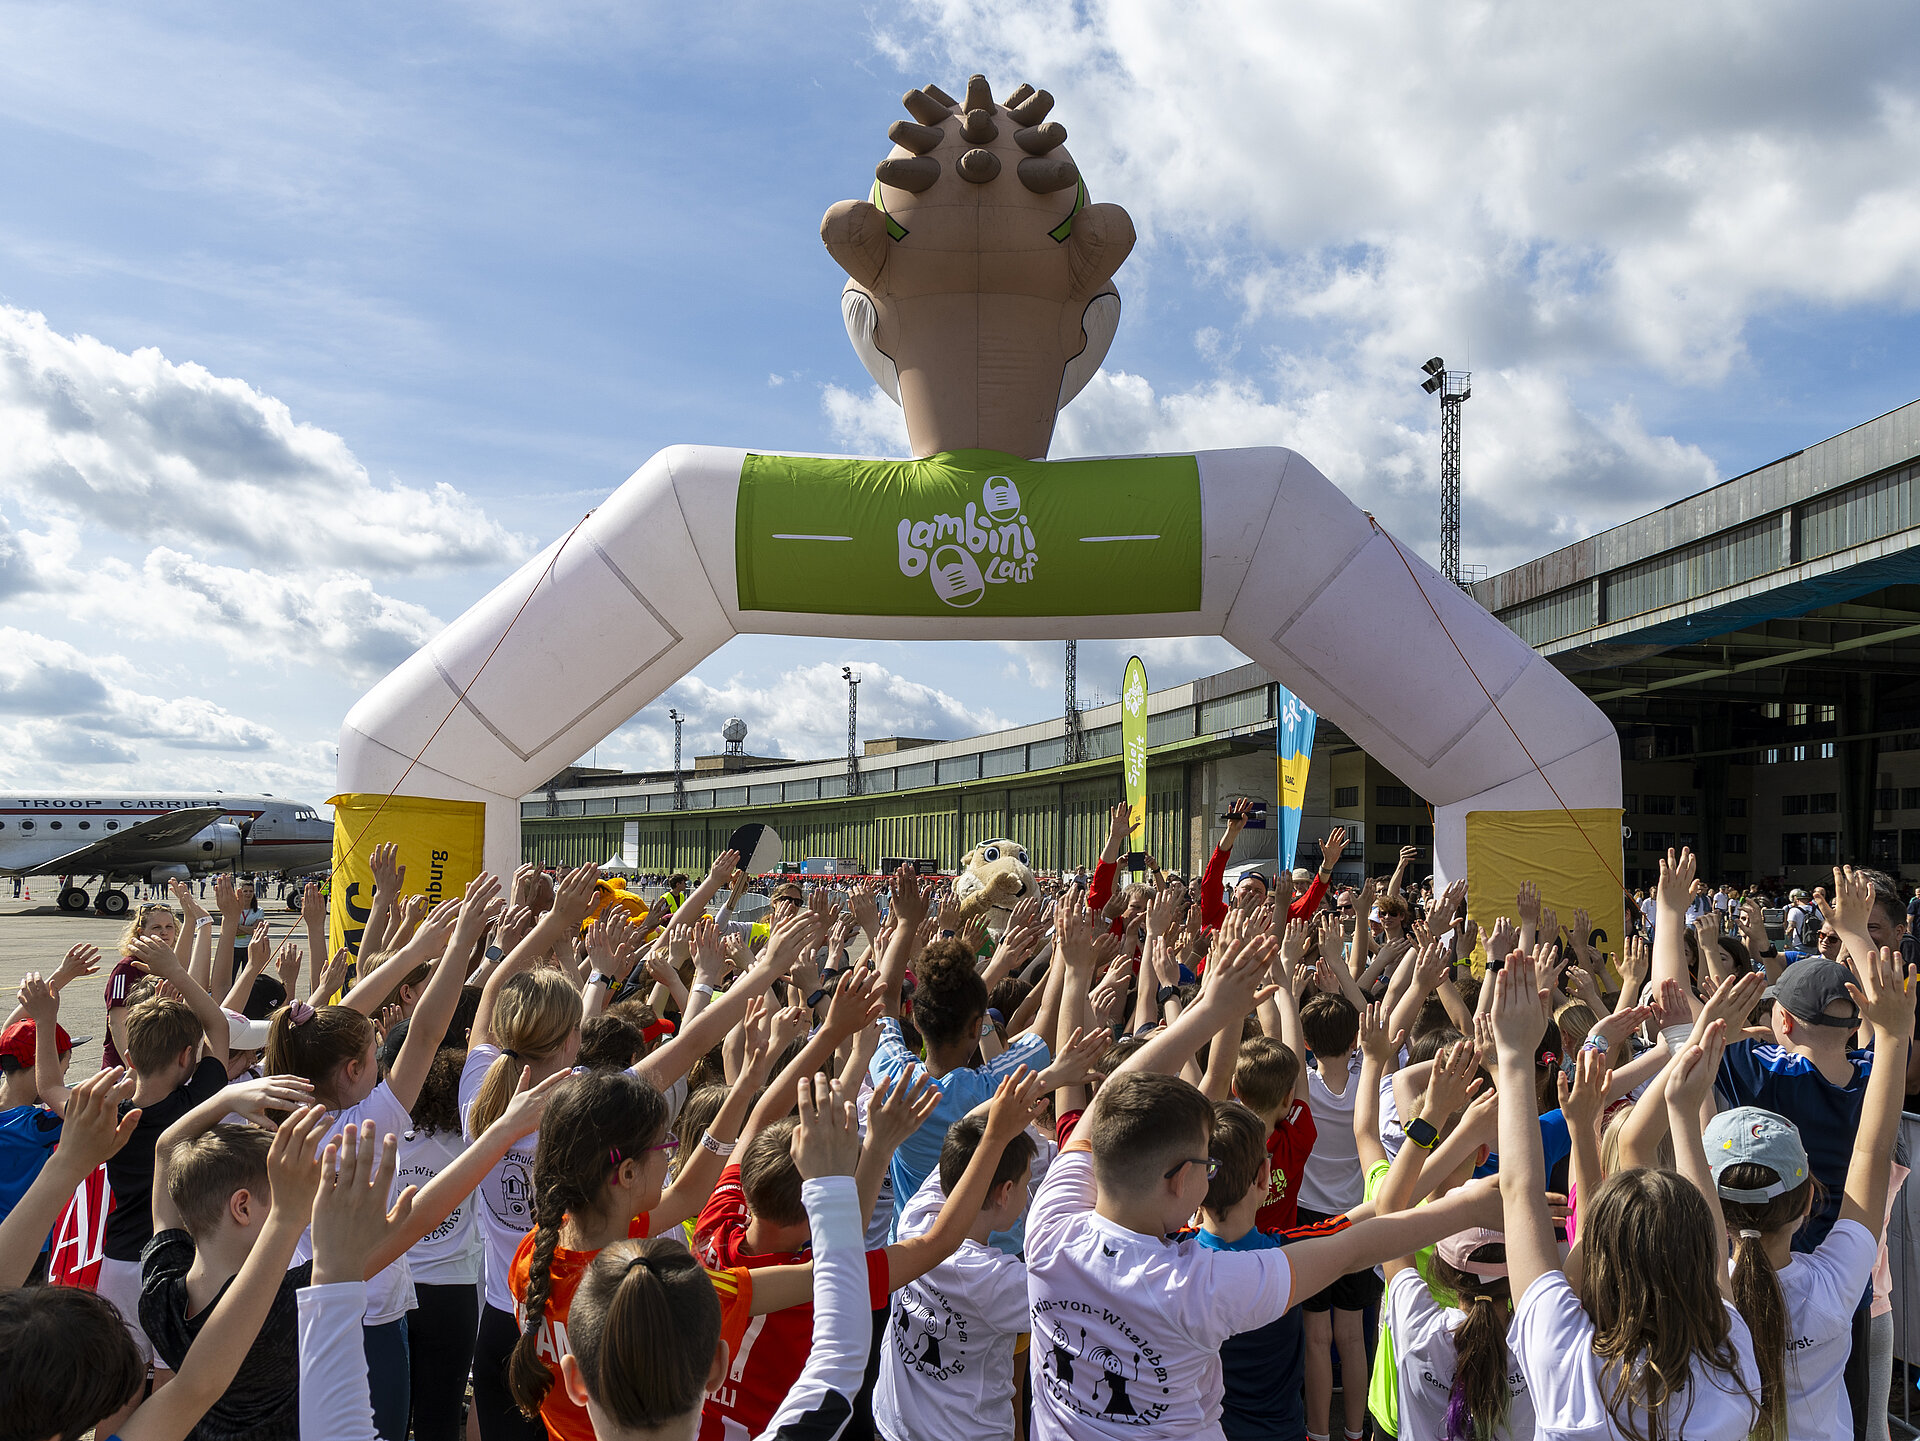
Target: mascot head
column 994, row 878
column 980, row 281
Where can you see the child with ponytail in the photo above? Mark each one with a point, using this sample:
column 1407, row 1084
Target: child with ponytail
column 1800, row 1305
column 1454, row 1378
column 1648, row 1345
column 597, row 1179
column 334, row 1047
column 530, row 1019
column 646, row 1343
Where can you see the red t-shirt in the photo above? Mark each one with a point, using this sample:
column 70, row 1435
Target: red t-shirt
column 119, row 981
column 1288, row 1145
column 565, row 1418
column 768, row 1360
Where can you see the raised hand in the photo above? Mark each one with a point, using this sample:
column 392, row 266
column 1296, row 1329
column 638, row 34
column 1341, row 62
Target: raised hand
column 388, row 874
column 909, row 900
column 37, row 999
column 1502, row 940
column 286, row 963
column 1616, row 1026
column 1520, row 1012
column 253, row 1099
column 1675, row 888
column 827, row 1140
column 1333, row 847
column 1075, row 1063
column 529, row 1102
column 349, row 1204
column 1020, row 1100
column 1527, row 904
column 260, row 947
column 1690, row 1078
column 573, row 898
column 1375, row 1044
column 1852, row 904
column 1886, row 993
column 94, row 1129
column 898, row 1106
column 313, row 905
column 1584, row 1097
column 226, row 898
column 1452, row 1081
column 80, row 960
column 723, row 867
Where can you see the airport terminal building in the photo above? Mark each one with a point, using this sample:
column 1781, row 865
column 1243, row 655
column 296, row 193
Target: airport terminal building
column 1757, row 646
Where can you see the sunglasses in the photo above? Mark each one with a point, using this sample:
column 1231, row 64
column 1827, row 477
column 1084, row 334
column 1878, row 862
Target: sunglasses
column 1213, row 1167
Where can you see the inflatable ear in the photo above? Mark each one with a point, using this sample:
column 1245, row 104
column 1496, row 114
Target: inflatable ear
column 980, row 280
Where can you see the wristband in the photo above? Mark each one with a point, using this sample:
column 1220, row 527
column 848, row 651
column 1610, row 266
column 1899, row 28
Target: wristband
column 700, row 988
column 203, row 921
column 722, row 1149
column 1676, row 1036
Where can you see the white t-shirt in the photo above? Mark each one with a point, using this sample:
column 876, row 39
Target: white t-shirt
column 1424, row 1357
column 503, row 1201
column 946, row 1361
column 1553, row 1339
column 390, row 1293
column 1127, row 1328
column 449, row 1254
column 1822, row 1291
column 1331, row 1182
column 504, row 1197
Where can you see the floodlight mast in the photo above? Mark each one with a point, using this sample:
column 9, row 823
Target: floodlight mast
column 1453, row 387
column 679, row 785
column 853, row 719
column 1073, row 703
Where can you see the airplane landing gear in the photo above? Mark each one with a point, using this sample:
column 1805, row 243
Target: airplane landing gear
column 111, row 903
column 73, row 899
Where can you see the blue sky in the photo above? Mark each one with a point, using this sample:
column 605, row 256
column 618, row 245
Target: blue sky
column 315, row 320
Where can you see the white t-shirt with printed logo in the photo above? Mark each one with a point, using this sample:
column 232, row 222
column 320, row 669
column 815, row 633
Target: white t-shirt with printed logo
column 1127, row 1328
column 1425, row 1359
column 1552, row 1337
column 449, row 1254
column 1822, row 1291
column 503, row 1201
column 946, row 1358
column 390, row 1292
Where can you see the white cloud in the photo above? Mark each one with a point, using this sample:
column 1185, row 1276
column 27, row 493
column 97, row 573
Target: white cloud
column 801, row 714
column 1555, row 199
column 870, row 424
column 158, row 449
column 72, row 702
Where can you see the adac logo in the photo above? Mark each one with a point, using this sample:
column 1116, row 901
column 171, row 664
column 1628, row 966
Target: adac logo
column 961, row 555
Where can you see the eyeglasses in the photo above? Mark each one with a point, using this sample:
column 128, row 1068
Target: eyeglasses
column 149, row 907
column 670, row 1145
column 1213, row 1167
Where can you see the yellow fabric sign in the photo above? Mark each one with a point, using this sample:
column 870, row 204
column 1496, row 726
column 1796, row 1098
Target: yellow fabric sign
column 441, row 847
column 1574, row 857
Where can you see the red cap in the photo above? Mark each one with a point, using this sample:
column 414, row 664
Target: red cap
column 658, row 1031
column 19, row 1039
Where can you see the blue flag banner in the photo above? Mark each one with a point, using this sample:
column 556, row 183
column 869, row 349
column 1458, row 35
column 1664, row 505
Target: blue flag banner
column 1294, row 740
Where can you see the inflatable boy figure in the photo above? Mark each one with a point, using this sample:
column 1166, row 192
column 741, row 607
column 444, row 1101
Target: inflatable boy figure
column 980, row 281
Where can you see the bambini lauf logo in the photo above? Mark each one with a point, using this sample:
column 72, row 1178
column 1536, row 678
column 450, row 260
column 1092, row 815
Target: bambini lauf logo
column 961, row 555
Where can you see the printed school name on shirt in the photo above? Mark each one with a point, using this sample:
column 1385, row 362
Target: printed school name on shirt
column 922, row 1319
column 1117, row 1378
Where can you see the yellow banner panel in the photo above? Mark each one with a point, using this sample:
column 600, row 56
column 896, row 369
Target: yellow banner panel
column 441, row 847
column 1574, row 857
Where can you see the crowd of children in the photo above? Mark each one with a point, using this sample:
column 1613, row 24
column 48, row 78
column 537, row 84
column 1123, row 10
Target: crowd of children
column 1143, row 1162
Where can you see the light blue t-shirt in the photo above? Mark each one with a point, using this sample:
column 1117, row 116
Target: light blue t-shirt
column 960, row 1091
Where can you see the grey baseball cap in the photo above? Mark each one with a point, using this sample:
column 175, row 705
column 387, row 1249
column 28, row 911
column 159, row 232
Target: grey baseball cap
column 1748, row 1135
column 1809, row 986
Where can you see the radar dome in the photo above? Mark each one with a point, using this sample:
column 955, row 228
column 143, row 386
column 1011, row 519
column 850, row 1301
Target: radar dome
column 734, row 731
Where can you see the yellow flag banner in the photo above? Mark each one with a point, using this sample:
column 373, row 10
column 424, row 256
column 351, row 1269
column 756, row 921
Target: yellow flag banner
column 1574, row 857
column 1133, row 750
column 440, row 845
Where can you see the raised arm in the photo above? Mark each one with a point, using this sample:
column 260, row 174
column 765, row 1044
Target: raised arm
column 252, row 1099
column 1672, row 896
column 313, row 915
column 1885, row 996
column 388, row 877
column 434, row 1010
column 718, row 874
column 1689, row 1084
column 94, row 1130
column 1520, row 1015
column 42, row 1006
column 160, row 960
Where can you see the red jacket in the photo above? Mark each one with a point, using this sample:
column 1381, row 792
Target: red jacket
column 1213, row 894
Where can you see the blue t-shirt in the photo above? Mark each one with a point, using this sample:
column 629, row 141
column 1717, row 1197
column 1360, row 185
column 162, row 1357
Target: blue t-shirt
column 28, row 1135
column 961, row 1090
column 1264, row 1370
column 1555, row 1139
column 1778, row 1080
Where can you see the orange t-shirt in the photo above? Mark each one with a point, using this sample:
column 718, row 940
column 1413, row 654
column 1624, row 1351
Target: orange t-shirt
column 565, row 1420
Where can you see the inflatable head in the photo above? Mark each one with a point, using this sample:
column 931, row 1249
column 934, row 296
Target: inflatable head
column 994, row 878
column 980, row 281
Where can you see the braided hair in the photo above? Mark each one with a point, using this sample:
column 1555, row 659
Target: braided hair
column 593, row 1124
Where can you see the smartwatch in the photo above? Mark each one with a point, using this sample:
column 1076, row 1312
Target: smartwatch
column 1423, row 1133
column 494, row 953
column 1167, row 993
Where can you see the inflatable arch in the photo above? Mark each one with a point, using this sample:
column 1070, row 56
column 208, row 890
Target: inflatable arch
column 1255, row 545
column 980, row 296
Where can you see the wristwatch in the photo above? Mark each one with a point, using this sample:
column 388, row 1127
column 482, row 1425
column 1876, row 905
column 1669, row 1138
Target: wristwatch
column 1167, row 993
column 494, row 953
column 1423, row 1133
